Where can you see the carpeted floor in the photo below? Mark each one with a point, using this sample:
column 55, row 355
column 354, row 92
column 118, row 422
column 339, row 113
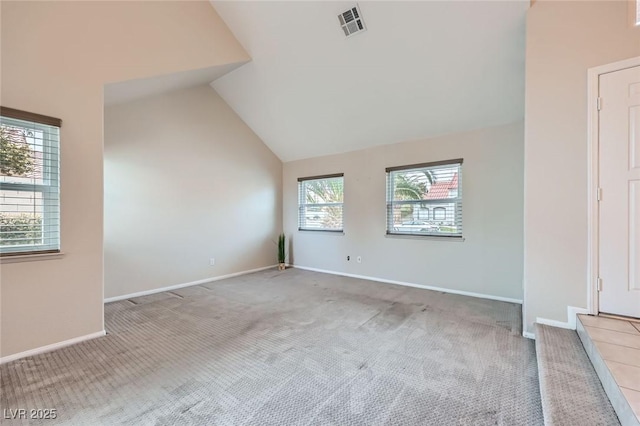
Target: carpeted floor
column 573, row 394
column 290, row 348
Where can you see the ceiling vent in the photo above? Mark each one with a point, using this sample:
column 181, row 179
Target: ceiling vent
column 351, row 21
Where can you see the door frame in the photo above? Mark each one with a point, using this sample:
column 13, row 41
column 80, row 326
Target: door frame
column 593, row 143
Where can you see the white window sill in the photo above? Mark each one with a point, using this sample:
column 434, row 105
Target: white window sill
column 322, row 231
column 30, row 257
column 456, row 238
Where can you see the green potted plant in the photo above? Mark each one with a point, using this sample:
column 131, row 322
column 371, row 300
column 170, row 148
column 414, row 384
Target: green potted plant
column 282, row 252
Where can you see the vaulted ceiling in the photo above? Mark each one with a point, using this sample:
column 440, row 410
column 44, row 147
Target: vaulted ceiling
column 420, row 69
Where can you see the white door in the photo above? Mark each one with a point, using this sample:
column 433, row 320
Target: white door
column 619, row 152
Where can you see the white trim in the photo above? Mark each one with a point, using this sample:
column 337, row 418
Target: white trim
column 529, row 335
column 593, row 76
column 592, row 182
column 425, row 287
column 571, row 322
column 525, row 333
column 553, row 323
column 189, row 284
column 51, row 347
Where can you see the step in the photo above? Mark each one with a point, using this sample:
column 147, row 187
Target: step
column 613, row 346
column 570, row 389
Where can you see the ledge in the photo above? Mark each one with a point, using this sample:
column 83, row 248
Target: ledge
column 30, row 257
column 426, row 237
column 321, row 231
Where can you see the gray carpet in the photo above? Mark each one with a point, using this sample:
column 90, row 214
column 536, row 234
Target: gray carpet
column 571, row 391
column 291, row 348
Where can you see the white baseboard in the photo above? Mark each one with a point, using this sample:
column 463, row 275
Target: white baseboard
column 529, row 335
column 426, row 287
column 572, row 313
column 51, row 347
column 189, row 284
column 553, row 323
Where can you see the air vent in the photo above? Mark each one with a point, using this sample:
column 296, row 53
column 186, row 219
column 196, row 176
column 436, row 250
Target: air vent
column 351, row 21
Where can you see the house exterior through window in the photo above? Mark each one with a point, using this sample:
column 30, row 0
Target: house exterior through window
column 425, row 199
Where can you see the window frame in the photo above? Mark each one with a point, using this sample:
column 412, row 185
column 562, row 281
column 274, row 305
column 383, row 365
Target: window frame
column 302, row 206
column 50, row 186
column 433, row 204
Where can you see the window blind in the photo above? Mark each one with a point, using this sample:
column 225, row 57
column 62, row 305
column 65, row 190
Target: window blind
column 29, row 183
column 425, row 199
column 320, row 203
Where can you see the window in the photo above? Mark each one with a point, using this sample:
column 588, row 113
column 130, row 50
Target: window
column 634, row 13
column 320, row 202
column 440, row 213
column 413, row 191
column 424, row 213
column 29, row 183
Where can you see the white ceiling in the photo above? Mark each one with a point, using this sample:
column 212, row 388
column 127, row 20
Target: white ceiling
column 421, row 69
column 131, row 90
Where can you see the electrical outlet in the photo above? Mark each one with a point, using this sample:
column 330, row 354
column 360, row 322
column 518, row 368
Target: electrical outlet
column 212, row 261
column 359, row 259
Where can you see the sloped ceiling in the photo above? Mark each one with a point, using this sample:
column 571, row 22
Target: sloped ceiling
column 131, row 90
column 421, row 69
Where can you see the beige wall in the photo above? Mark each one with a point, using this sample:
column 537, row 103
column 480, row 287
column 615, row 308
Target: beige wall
column 564, row 39
column 56, row 57
column 489, row 261
column 185, row 180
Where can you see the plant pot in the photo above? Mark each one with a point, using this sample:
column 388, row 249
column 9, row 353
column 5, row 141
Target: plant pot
column 281, row 266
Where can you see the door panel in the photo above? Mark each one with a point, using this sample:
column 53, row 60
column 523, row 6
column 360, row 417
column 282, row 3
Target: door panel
column 634, row 137
column 634, row 235
column 619, row 152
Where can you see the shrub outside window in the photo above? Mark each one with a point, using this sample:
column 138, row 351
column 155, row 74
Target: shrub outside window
column 425, row 199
